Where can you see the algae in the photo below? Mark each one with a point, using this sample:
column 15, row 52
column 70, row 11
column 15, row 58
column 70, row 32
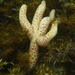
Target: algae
column 57, row 58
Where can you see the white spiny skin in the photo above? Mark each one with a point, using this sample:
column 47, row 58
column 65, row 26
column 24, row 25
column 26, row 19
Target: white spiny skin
column 24, row 21
column 45, row 39
column 38, row 16
column 37, row 31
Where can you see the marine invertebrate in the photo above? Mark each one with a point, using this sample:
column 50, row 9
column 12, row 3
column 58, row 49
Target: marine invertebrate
column 37, row 31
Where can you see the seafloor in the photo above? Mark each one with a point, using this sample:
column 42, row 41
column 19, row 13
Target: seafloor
column 58, row 58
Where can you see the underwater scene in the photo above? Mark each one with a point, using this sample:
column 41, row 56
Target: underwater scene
column 37, row 37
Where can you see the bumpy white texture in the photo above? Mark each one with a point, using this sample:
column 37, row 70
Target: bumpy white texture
column 37, row 31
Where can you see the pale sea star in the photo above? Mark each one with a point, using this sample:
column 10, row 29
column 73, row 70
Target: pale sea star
column 37, row 31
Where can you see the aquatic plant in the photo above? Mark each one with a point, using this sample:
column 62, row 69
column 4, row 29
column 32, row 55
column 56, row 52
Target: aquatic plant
column 14, row 43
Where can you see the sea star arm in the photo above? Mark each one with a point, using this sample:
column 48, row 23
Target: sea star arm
column 38, row 15
column 44, row 25
column 45, row 22
column 44, row 40
column 52, row 15
column 33, row 53
column 24, row 21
